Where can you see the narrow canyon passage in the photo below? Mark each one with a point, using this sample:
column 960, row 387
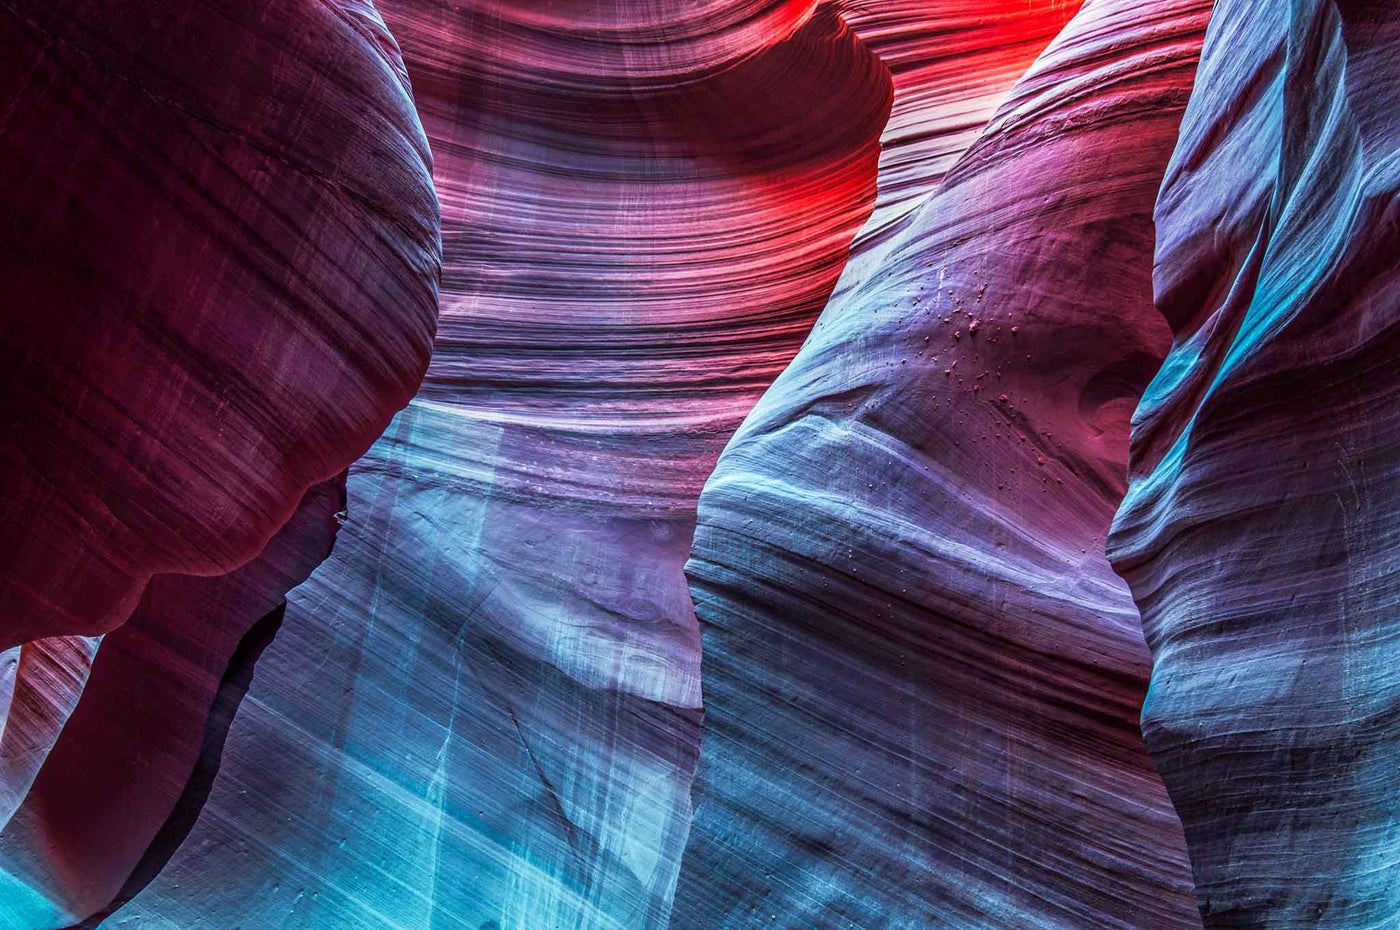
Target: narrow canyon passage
column 698, row 464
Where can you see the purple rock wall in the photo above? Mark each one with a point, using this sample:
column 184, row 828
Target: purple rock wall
column 220, row 240
column 588, row 652
column 222, row 269
column 922, row 677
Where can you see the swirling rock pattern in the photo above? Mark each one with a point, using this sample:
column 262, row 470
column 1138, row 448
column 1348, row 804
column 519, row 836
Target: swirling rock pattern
column 922, row 677
column 221, row 246
column 951, row 66
column 637, row 238
column 485, row 705
column 221, row 272
column 1258, row 534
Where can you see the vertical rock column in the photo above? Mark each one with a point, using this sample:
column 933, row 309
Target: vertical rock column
column 1259, row 534
column 221, row 244
column 922, row 677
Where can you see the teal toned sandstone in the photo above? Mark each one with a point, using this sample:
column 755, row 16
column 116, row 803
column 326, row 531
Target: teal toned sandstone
column 1259, row 533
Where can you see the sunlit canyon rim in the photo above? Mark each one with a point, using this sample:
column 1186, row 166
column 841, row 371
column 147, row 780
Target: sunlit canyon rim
column 690, row 464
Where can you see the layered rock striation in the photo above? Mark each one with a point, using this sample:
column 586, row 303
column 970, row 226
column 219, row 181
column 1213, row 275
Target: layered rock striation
column 1258, row 533
column 485, row 705
column 922, row 677
column 918, row 700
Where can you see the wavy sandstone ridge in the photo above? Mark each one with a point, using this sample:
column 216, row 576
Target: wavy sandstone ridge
column 1258, row 534
column 40, row 684
column 922, row 677
column 485, row 706
column 145, row 719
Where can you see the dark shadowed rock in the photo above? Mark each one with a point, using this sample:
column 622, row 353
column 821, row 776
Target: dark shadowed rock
column 220, row 246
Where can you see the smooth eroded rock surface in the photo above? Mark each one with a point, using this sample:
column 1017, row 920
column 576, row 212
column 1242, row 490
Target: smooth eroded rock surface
column 110, row 781
column 921, row 675
column 40, row 683
column 920, row 701
column 1259, row 532
column 486, row 705
column 220, row 243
